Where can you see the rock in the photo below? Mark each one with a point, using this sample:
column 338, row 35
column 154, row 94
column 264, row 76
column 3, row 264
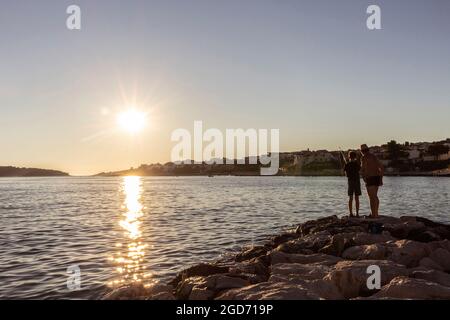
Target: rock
column 255, row 270
column 351, row 276
column 429, row 223
column 408, row 253
column 203, row 269
column 412, row 288
column 270, row 291
column 129, row 292
column 444, row 244
column 442, row 231
column 375, row 251
column 323, row 289
column 402, row 230
column 442, row 258
column 277, row 240
column 222, row 282
column 161, row 296
column 438, row 277
column 251, row 253
column 159, row 291
column 302, row 271
column 363, row 238
column 184, row 288
column 426, row 236
column 285, row 288
column 202, row 288
column 309, row 243
column 430, row 264
column 306, row 227
column 339, row 242
column 198, row 293
column 385, row 220
column 281, row 257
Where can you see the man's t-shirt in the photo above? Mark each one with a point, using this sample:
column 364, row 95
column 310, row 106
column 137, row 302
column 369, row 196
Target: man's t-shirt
column 352, row 170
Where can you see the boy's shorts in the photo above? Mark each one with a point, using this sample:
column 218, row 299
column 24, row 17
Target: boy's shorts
column 354, row 187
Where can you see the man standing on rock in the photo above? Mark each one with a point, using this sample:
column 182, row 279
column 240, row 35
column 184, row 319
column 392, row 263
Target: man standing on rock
column 372, row 172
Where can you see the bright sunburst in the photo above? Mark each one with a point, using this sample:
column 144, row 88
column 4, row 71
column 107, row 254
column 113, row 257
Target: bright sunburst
column 132, row 120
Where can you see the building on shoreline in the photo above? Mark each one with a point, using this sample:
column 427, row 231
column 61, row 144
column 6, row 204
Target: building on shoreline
column 421, row 158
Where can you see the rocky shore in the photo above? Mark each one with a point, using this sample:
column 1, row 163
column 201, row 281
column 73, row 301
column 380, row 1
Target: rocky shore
column 327, row 258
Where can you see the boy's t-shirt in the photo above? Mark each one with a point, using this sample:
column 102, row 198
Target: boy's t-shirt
column 352, row 170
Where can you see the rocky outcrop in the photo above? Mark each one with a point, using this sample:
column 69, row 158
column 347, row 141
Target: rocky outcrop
column 327, row 258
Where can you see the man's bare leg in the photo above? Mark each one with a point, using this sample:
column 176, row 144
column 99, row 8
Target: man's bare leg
column 377, row 201
column 374, row 201
column 350, row 205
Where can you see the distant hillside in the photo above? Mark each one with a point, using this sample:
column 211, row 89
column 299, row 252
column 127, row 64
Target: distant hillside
column 29, row 172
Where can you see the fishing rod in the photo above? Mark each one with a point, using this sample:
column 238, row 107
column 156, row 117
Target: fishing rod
column 343, row 155
column 343, row 158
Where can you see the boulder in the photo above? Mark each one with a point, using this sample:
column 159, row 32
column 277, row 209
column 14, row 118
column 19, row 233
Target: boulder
column 251, row 253
column 426, row 236
column 427, row 263
column 128, row 292
column 302, row 271
column 185, row 287
column 438, row 277
column 255, row 270
column 203, row 269
column 222, row 282
column 364, row 238
column 282, row 257
column 407, row 252
column 412, row 288
column 198, row 293
column 201, row 288
column 310, row 243
column 285, row 237
column 323, row 289
column 339, row 242
column 442, row 258
column 442, row 231
column 306, row 227
column 402, row 230
column 351, row 276
column 444, row 244
column 375, row 251
column 270, row 291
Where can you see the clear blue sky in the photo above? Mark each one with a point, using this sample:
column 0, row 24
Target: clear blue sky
column 310, row 68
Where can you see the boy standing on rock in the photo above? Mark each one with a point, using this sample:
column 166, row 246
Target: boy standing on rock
column 351, row 170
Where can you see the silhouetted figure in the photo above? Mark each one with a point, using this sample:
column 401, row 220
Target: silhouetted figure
column 351, row 170
column 372, row 173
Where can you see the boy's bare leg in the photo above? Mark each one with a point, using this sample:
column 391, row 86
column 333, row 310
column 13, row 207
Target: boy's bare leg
column 350, row 205
column 357, row 205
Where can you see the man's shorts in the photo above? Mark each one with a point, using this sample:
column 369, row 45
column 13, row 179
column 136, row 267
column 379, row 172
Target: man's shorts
column 375, row 181
column 354, row 187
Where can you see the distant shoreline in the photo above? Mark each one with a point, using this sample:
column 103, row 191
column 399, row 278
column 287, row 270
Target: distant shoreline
column 15, row 172
column 447, row 175
column 419, row 174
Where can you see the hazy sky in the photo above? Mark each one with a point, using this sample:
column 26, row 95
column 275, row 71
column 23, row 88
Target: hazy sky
column 310, row 68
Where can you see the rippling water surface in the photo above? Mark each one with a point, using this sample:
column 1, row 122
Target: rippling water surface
column 131, row 229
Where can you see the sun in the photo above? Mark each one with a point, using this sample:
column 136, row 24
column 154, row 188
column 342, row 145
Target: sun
column 132, row 120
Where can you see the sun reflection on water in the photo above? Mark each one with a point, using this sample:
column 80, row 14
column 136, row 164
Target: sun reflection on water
column 130, row 255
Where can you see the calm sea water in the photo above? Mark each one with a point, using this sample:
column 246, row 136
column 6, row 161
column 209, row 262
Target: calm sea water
column 122, row 230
